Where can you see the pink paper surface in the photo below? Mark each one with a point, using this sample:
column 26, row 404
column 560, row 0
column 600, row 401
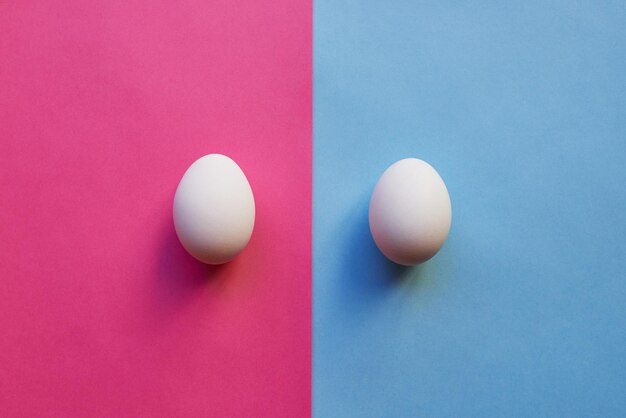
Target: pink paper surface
column 103, row 106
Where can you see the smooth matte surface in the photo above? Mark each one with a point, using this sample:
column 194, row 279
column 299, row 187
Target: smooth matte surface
column 522, row 110
column 213, row 209
column 410, row 212
column 103, row 106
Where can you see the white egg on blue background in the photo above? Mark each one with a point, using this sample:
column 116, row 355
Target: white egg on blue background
column 410, row 212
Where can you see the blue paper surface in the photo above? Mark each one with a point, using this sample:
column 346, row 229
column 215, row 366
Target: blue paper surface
column 522, row 110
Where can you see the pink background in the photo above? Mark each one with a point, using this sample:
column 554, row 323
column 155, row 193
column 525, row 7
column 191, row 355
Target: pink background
column 103, row 106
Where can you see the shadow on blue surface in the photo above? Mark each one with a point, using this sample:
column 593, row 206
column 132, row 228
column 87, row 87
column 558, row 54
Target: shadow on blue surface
column 367, row 275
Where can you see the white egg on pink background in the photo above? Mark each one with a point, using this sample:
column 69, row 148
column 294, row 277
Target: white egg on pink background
column 214, row 209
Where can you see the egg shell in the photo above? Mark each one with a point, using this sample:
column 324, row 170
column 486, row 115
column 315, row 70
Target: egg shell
column 214, row 209
column 410, row 212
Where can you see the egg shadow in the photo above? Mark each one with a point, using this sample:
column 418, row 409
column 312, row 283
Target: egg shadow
column 180, row 278
column 367, row 275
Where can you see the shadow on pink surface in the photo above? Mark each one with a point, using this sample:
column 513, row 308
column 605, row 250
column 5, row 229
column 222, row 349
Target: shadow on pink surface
column 180, row 279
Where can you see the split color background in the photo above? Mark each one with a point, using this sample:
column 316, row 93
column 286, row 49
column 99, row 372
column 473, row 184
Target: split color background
column 521, row 107
column 103, row 106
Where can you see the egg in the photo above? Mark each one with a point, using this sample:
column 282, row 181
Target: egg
column 214, row 209
column 410, row 212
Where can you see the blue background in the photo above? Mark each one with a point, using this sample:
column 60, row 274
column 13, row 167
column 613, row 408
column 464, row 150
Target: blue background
column 522, row 110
